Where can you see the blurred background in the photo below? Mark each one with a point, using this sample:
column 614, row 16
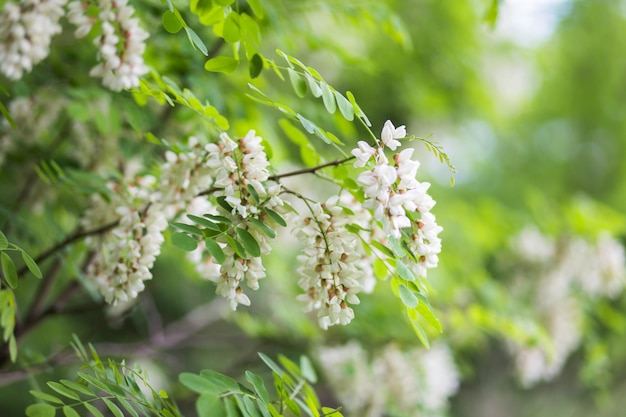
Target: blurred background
column 527, row 97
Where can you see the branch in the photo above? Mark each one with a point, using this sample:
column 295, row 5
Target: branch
column 311, row 170
column 77, row 235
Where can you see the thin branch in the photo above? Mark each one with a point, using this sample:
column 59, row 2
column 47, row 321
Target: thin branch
column 311, row 170
column 77, row 235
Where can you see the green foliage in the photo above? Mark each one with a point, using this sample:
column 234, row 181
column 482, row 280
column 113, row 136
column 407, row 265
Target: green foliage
column 121, row 389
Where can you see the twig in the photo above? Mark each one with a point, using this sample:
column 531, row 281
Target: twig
column 311, row 170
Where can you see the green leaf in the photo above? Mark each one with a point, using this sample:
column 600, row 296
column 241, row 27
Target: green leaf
column 93, row 410
column 215, row 250
column 219, row 219
column 315, row 88
column 220, row 381
column 196, row 41
column 407, row 296
column 189, row 228
column 249, row 242
column 426, row 311
column 31, row 265
column 253, row 193
column 237, row 247
column 250, row 407
column 396, row 247
column 4, row 242
column 259, row 385
column 63, row 390
column 196, row 383
column 357, row 109
column 78, row 387
column 384, row 249
column 293, row 133
column 277, row 217
column 8, row 270
column 126, row 405
column 223, row 64
column 184, row 242
column 257, row 8
column 209, row 404
column 114, row 408
column 171, row 23
column 40, row 410
column 224, row 3
column 404, row 271
column 308, row 125
column 264, row 228
column 12, row 348
column 346, row 109
column 328, row 98
column 204, row 222
column 308, row 372
column 271, row 364
column 297, row 82
column 419, row 331
column 232, row 28
column 46, row 397
column 256, row 65
column 7, row 116
column 70, row 412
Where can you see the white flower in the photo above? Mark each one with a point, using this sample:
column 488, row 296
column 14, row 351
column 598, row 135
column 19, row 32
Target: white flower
column 363, row 153
column 390, row 134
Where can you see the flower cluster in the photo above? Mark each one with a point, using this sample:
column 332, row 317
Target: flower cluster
column 121, row 44
column 570, row 271
column 333, row 269
column 417, row 382
column 241, row 181
column 25, row 33
column 127, row 253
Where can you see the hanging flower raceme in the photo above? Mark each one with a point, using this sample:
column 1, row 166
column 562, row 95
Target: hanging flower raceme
column 399, row 202
column 121, row 42
column 26, row 30
column 245, row 195
column 332, row 271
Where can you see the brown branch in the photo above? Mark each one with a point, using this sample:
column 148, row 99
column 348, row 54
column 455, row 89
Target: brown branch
column 311, row 170
column 77, row 235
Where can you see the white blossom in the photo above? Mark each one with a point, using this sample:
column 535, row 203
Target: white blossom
column 26, row 30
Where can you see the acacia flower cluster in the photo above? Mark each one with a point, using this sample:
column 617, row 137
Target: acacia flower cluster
column 241, row 180
column 399, row 201
column 333, row 269
column 121, row 44
column 417, row 382
column 569, row 272
column 26, row 30
column 25, row 33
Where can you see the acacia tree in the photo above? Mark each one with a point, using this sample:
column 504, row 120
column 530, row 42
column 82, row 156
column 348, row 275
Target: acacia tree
column 144, row 135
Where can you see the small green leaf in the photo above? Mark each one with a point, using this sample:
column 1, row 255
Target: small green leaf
column 259, row 385
column 204, row 222
column 404, row 271
column 419, row 331
column 426, row 310
column 384, row 249
column 40, row 410
column 239, row 250
column 220, row 381
column 264, row 228
column 256, row 65
column 209, row 404
column 12, row 348
column 46, row 397
column 308, row 372
column 171, row 23
column 253, row 193
column 114, row 408
column 315, row 88
column 63, row 390
column 70, row 412
column 396, row 247
column 407, row 296
column 357, row 109
column 297, row 82
column 184, row 242
column 126, row 405
column 223, row 64
column 78, row 387
column 249, row 242
column 346, row 109
column 195, row 40
column 215, row 250
column 277, row 217
column 4, row 242
column 271, row 364
column 195, row 382
column 232, row 28
column 219, row 219
column 257, row 8
column 308, row 125
column 189, row 228
column 93, row 410
column 8, row 269
column 328, row 98
column 31, row 265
